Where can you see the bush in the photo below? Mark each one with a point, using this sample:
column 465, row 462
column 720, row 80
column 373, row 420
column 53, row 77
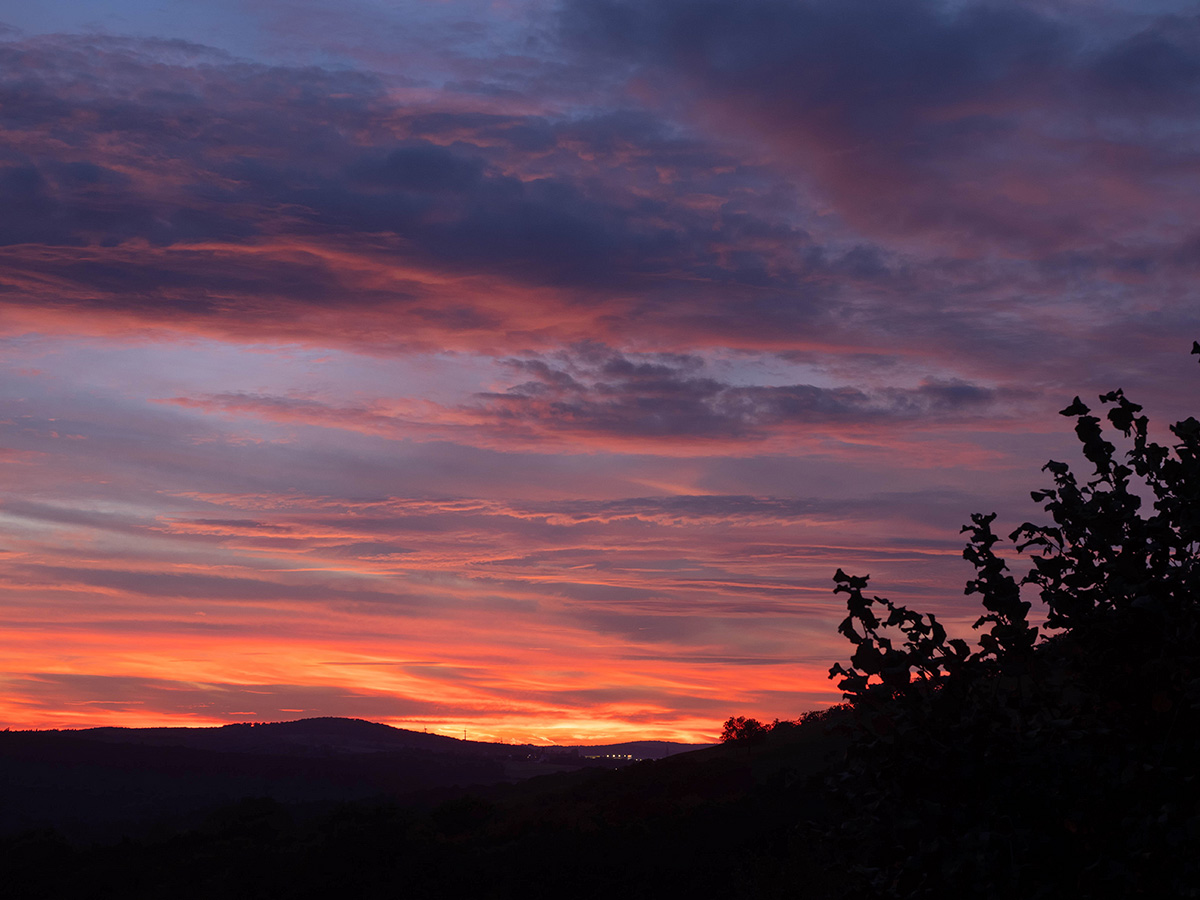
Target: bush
column 739, row 728
column 1042, row 763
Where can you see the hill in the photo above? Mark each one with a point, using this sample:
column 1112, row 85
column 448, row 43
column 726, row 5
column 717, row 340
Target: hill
column 719, row 821
column 101, row 781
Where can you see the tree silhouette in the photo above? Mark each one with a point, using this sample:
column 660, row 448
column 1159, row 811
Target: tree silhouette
column 739, row 728
column 1104, row 570
column 1052, row 760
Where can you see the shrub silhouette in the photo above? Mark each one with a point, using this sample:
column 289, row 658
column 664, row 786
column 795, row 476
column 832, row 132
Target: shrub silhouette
column 1042, row 763
column 739, row 728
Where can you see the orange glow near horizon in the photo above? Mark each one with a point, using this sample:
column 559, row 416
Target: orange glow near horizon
column 589, row 611
column 521, row 691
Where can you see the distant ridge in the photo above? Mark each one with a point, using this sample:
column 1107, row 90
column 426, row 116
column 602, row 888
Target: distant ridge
column 318, row 735
column 88, row 781
column 343, row 735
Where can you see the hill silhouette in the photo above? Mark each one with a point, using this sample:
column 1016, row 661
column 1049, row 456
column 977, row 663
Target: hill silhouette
column 319, row 736
column 331, row 735
column 89, row 782
column 712, row 820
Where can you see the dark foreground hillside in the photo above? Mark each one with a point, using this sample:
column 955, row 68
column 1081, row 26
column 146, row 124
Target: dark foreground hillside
column 905, row 799
column 728, row 821
column 103, row 782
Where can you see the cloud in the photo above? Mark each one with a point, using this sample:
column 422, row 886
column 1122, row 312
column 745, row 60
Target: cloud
column 593, row 394
column 157, row 189
column 1157, row 68
column 133, row 698
column 167, row 189
column 893, row 58
column 670, row 398
column 969, row 126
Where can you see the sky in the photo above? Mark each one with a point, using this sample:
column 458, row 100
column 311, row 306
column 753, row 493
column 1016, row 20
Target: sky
column 526, row 368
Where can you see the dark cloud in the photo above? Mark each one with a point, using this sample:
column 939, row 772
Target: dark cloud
column 960, row 120
column 595, row 392
column 544, row 231
column 113, row 146
column 424, row 168
column 174, row 186
column 167, row 183
column 860, row 71
column 670, row 397
column 889, row 58
column 1157, row 69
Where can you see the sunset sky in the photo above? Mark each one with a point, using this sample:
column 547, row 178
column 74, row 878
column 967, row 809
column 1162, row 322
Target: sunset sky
column 528, row 367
